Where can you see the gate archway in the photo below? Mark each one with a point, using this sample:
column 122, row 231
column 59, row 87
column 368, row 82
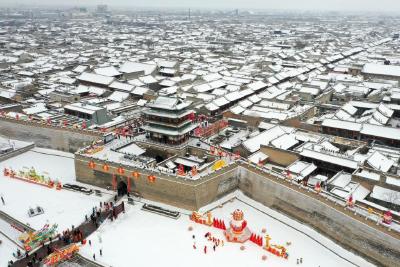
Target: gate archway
column 122, row 188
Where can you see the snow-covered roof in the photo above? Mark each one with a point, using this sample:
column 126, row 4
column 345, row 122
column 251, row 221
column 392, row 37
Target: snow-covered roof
column 95, row 78
column 380, row 162
column 121, row 86
column 285, row 141
column 37, row 108
column 107, row 71
column 132, row 149
column 379, row 69
column 83, row 108
column 264, row 138
column 386, row 195
column 257, row 157
column 340, row 124
column 132, row 67
column 140, row 90
column 380, row 131
column 341, row 179
column 333, row 159
column 118, row 96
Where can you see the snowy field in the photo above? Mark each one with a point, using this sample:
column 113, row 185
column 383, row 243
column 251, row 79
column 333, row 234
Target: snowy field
column 6, row 250
column 146, row 239
column 66, row 208
column 59, row 165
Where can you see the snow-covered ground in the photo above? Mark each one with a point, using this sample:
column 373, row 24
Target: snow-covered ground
column 66, row 208
column 59, row 165
column 6, row 250
column 142, row 238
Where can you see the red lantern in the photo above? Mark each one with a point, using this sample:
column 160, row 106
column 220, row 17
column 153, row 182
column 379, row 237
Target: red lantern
column 181, row 170
column 317, row 187
column 212, row 150
column 194, row 171
column 136, row 175
column 120, row 170
column 237, row 155
column 151, row 178
column 106, row 168
column 260, row 162
column 92, row 165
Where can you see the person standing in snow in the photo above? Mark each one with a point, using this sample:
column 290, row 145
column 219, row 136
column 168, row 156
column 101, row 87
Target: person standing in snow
column 94, row 256
column 2, row 200
column 101, row 252
column 205, row 249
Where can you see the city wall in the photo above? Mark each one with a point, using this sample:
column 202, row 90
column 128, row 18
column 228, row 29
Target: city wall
column 47, row 136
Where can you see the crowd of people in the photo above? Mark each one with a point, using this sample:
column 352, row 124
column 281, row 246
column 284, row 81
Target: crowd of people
column 74, row 235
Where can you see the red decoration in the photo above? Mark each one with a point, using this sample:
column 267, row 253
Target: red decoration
column 120, row 170
column 106, row 168
column 92, row 165
column 237, row 155
column 317, row 187
column 212, row 150
column 181, row 170
column 65, row 123
column 194, row 171
column 84, row 125
column 151, row 178
column 114, row 182
column 128, row 184
column 136, row 175
column 192, row 117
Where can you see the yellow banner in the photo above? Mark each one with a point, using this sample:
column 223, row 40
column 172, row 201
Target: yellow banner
column 218, row 165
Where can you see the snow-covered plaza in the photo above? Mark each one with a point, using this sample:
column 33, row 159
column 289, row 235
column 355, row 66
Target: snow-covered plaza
column 142, row 238
column 63, row 207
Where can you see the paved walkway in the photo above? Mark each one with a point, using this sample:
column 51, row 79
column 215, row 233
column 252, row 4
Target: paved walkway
column 87, row 229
